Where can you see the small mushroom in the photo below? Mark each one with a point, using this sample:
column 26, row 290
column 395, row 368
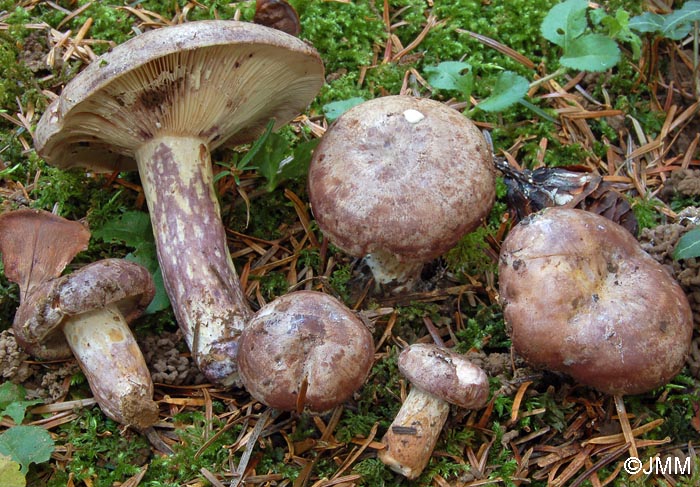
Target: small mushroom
column 304, row 350
column 581, row 297
column 439, row 377
column 161, row 102
column 85, row 313
column 400, row 180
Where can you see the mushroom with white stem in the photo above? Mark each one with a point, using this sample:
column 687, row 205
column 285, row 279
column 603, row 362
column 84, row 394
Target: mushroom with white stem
column 161, row 102
column 400, row 180
column 439, row 377
column 305, row 350
column 85, row 314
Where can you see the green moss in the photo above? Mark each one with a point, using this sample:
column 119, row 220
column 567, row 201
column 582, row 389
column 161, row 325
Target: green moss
column 101, row 454
column 272, row 285
column 186, row 461
column 485, row 328
column 17, row 81
column 344, row 33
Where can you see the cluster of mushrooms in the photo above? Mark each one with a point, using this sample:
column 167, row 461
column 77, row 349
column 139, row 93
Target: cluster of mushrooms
column 579, row 294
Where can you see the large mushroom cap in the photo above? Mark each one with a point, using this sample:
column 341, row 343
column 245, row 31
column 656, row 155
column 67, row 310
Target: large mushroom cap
column 581, row 297
column 304, row 349
column 219, row 80
column 445, row 374
column 403, row 176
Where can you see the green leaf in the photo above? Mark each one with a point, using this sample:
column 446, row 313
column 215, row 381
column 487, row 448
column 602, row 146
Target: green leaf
column 133, row 229
column 271, row 157
column 451, row 75
column 647, row 22
column 26, row 445
column 335, row 109
column 509, row 89
column 679, row 23
column 148, row 258
column 565, row 22
column 12, row 402
column 688, row 245
column 592, row 52
column 10, row 474
column 294, row 167
column 675, row 25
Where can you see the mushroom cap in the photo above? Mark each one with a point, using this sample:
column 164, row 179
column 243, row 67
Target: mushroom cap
column 581, row 297
column 304, row 340
column 220, row 80
column 37, row 245
column 445, row 374
column 38, row 321
column 401, row 175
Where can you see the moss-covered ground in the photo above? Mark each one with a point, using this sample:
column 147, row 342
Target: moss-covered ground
column 635, row 124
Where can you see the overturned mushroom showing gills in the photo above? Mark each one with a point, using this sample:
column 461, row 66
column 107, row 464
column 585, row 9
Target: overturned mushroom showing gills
column 400, row 180
column 86, row 312
column 439, row 377
column 305, row 350
column 161, row 102
column 581, row 297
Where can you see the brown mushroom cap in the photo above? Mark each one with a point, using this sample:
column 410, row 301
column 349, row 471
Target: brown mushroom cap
column 581, row 297
column 218, row 80
column 445, row 374
column 39, row 319
column 305, row 344
column 401, row 176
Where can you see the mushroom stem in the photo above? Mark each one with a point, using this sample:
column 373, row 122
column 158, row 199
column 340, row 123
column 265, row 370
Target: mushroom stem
column 387, row 268
column 412, row 436
column 105, row 349
column 198, row 272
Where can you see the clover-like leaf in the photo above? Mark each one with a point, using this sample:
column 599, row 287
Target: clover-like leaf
column 451, row 75
column 509, row 89
column 564, row 22
column 12, row 402
column 591, row 52
column 26, row 445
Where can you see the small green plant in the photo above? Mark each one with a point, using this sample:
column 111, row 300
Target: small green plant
column 674, row 25
column 566, row 25
column 20, row 445
column 133, row 229
column 273, row 157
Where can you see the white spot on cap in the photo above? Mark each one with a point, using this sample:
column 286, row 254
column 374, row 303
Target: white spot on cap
column 413, row 116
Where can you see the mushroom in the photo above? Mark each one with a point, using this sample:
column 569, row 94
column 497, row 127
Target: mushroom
column 304, row 350
column 439, row 377
column 161, row 102
column 400, row 180
column 85, row 313
column 581, row 297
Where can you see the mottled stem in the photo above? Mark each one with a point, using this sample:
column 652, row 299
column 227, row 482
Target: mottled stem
column 412, row 436
column 199, row 276
column 111, row 360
